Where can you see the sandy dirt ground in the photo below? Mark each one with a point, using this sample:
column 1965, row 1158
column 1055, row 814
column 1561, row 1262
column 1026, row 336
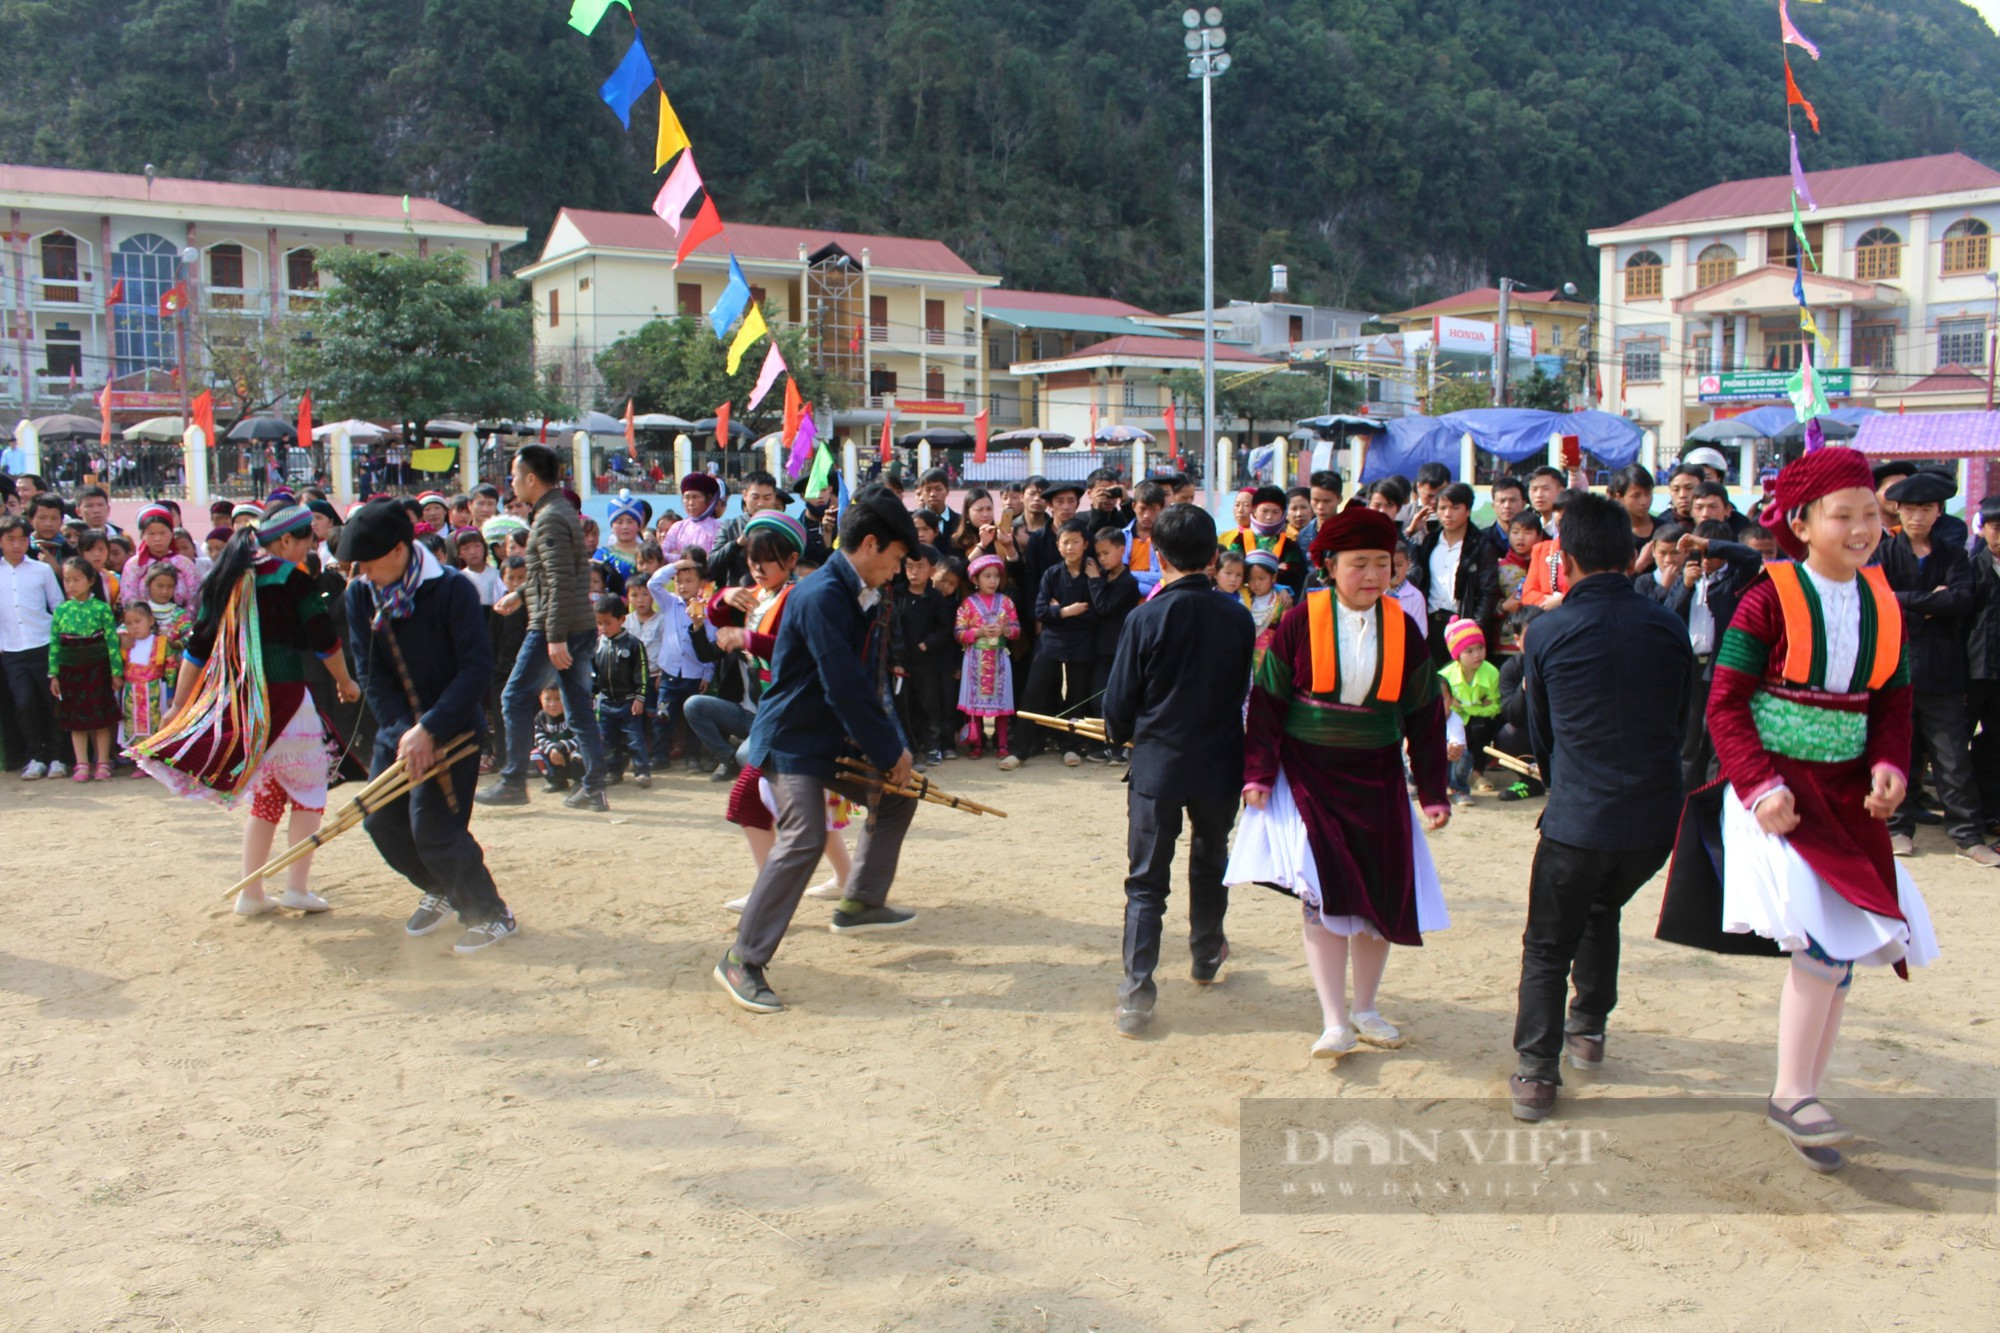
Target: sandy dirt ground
column 287, row 1123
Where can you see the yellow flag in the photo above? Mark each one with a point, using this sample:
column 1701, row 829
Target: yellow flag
column 672, row 137
column 752, row 329
column 1811, row 325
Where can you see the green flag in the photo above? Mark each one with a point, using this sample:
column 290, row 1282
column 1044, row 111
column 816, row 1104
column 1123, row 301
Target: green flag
column 1799, row 230
column 822, row 472
column 585, row 15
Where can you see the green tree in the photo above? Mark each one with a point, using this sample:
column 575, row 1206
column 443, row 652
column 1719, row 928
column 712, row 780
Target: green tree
column 1283, row 397
column 1541, row 391
column 1458, row 393
column 678, row 366
column 407, row 339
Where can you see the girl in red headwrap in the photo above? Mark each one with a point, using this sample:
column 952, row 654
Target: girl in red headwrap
column 1810, row 713
column 1341, row 689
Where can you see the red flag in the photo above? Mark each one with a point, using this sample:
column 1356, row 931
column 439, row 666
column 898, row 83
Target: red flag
column 117, row 294
column 1597, row 384
column 72, row 380
column 202, row 412
column 631, row 431
column 174, row 300
column 979, row 437
column 1093, row 416
column 722, row 424
column 888, row 442
column 306, row 420
column 104, row 412
column 706, row 226
column 1794, row 97
column 794, row 408
column 544, row 438
column 854, row 343
column 1173, row 437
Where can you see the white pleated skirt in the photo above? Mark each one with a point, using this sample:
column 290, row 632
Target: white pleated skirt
column 1769, row 890
column 1272, row 848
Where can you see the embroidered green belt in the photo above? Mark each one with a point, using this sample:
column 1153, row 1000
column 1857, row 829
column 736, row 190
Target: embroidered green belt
column 1806, row 731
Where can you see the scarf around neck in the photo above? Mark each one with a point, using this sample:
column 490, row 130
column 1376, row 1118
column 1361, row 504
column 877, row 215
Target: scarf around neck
column 399, row 599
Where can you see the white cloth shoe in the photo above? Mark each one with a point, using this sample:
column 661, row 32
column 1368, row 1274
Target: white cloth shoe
column 307, row 901
column 831, row 888
column 35, row 772
column 738, row 904
column 257, row 906
column 1334, row 1043
column 1377, row 1031
column 58, row 770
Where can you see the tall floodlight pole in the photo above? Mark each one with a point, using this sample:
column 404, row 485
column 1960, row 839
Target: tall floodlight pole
column 1206, row 60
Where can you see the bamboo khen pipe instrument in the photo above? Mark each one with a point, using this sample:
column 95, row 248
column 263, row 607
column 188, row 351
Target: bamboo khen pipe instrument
column 921, row 788
column 1508, row 761
column 1090, row 728
column 392, row 785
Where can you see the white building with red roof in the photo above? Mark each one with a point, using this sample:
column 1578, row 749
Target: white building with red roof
column 75, row 240
column 1699, row 317
column 896, row 318
column 1123, row 381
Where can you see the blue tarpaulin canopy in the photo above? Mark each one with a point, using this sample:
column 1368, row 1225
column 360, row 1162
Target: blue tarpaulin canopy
column 1510, row 433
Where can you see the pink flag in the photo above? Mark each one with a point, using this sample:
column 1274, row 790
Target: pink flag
column 680, row 187
column 1792, row 34
column 774, row 364
column 1799, row 178
column 802, row 445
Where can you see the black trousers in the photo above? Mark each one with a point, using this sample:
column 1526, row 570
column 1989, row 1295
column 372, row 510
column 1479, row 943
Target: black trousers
column 428, row 843
column 1697, row 749
column 1940, row 722
column 1984, row 703
column 1056, row 689
column 1575, row 895
column 921, row 702
column 25, row 675
column 1150, row 837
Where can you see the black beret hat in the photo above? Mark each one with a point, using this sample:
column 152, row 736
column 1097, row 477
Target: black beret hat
column 1923, row 488
column 1895, row 467
column 889, row 510
column 324, row 510
column 1054, row 488
column 1267, row 495
column 374, row 530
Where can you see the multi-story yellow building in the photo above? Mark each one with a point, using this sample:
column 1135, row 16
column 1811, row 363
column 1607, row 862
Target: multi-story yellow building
column 896, row 320
column 1700, row 317
column 75, row 240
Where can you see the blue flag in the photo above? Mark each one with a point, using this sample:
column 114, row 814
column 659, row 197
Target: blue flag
column 840, row 496
column 630, row 80
column 729, row 307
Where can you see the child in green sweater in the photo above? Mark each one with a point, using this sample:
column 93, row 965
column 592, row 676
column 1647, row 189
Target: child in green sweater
column 1472, row 693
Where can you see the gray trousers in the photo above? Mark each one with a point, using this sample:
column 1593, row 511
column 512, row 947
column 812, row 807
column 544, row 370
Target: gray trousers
column 801, row 838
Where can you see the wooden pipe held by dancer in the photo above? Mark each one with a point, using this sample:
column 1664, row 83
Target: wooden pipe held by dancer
column 1524, row 767
column 1090, row 728
column 919, row 788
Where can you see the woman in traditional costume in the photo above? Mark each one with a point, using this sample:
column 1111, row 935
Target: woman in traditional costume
column 156, row 548
column 1810, row 713
column 628, row 517
column 242, row 726
column 1344, row 684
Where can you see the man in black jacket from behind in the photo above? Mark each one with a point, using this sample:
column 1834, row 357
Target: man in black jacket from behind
column 1176, row 697
column 1606, row 676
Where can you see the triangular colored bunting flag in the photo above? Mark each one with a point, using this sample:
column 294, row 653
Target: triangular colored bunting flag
column 104, row 412
column 822, row 472
column 707, row 226
column 979, row 437
column 774, row 366
column 1792, row 34
column 631, row 431
column 1799, row 230
column 753, row 329
column 802, row 446
column 1808, row 401
column 729, row 307
column 1794, row 97
column 585, row 15
column 306, row 419
column 1173, row 437
column 888, row 439
column 680, row 187
column 1799, row 186
column 629, row 82
column 672, row 137
column 794, row 405
column 722, row 424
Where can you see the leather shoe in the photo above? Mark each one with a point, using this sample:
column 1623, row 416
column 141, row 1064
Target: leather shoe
column 502, row 793
column 1584, row 1052
column 1532, row 1098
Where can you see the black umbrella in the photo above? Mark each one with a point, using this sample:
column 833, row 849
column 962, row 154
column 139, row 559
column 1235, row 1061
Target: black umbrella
column 944, row 437
column 737, row 430
column 1834, row 430
column 1054, row 438
column 266, row 430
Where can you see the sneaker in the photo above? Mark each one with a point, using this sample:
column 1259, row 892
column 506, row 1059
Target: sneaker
column 1482, row 787
column 935, row 757
column 862, row 917
column 1461, row 798
column 257, row 906
column 737, row 904
column 1902, row 844
column 486, row 935
column 831, row 888
column 951, row 752
column 1134, row 1022
column 306, row 901
column 1071, row 759
column 642, row 780
column 1205, row 974
column 1009, row 763
column 1094, row 756
column 554, row 785
column 58, row 770
column 581, row 799
column 1377, row 1031
column 430, row 914
column 35, row 772
column 1980, row 855
column 1523, row 790
column 1585, row 1052
column 746, row 985
column 502, row 793
column 1121, row 755
column 1334, row 1043
column 723, row 773
column 1532, row 1098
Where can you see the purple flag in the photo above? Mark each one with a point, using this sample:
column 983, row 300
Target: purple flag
column 1815, row 436
column 802, row 445
column 1799, row 178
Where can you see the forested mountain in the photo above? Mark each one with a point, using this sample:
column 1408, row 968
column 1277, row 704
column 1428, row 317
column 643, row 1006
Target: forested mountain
column 1387, row 150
